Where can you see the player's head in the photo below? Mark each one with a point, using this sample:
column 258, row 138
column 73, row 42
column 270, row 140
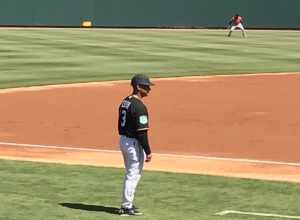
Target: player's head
column 141, row 84
column 236, row 15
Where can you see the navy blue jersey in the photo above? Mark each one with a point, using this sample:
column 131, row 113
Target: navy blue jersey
column 133, row 117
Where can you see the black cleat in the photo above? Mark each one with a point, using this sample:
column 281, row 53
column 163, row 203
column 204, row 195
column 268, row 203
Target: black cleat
column 129, row 212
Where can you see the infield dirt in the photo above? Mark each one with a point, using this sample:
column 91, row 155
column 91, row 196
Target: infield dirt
column 246, row 116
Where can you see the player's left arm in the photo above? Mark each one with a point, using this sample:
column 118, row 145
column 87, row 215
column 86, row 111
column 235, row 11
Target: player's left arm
column 144, row 142
column 142, row 130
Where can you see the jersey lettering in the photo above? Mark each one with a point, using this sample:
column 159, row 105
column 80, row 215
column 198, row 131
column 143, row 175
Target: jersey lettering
column 125, row 104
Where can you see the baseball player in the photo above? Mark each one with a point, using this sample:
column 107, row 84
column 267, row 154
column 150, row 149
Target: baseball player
column 133, row 125
column 236, row 22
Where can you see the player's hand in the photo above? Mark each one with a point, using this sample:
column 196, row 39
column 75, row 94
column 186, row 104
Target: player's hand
column 148, row 158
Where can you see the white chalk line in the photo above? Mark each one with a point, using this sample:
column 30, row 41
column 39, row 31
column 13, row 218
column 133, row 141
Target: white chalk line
column 195, row 157
column 226, row 212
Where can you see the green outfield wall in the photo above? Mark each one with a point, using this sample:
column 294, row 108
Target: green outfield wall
column 150, row 13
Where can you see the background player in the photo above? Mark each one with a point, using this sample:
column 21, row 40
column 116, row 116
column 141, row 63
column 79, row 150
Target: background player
column 236, row 22
column 133, row 125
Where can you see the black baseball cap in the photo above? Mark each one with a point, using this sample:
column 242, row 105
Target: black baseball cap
column 141, row 79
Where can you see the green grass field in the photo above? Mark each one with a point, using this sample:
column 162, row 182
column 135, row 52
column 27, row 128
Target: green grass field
column 38, row 191
column 51, row 56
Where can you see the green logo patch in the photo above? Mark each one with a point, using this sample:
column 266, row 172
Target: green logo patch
column 143, row 119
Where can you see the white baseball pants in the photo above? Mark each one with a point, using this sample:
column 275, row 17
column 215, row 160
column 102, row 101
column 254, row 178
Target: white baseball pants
column 133, row 155
column 240, row 26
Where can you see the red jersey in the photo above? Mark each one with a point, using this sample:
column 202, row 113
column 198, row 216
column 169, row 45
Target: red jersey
column 235, row 20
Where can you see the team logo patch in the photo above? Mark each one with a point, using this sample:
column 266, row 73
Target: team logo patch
column 143, row 119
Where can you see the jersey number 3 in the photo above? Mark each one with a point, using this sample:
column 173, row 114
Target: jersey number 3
column 123, row 118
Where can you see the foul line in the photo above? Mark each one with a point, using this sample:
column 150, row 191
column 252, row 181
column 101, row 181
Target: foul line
column 195, row 157
column 256, row 214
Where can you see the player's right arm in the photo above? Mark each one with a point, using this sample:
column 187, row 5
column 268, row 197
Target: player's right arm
column 230, row 21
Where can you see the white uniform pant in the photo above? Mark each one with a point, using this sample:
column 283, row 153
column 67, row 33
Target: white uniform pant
column 133, row 155
column 240, row 26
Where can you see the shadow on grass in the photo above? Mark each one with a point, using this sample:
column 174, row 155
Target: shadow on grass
column 94, row 208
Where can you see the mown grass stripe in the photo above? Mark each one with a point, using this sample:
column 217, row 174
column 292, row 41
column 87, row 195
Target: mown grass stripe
column 56, row 56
